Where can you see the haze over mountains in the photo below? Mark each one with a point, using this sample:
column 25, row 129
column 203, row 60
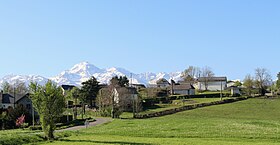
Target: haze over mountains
column 84, row 70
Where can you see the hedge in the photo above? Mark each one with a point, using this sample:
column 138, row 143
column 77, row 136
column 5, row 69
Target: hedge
column 151, row 101
column 187, row 107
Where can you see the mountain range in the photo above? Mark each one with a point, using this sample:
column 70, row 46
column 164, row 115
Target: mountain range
column 83, row 71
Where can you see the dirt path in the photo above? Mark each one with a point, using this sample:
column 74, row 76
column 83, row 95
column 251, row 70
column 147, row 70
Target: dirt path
column 95, row 123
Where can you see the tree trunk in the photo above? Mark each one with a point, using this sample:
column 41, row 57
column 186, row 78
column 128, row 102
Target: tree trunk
column 83, row 110
column 50, row 134
column 75, row 109
column 91, row 103
column 113, row 108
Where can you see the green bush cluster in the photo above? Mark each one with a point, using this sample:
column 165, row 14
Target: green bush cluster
column 9, row 117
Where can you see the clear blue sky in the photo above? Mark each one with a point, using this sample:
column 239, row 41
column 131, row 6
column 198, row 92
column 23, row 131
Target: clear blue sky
column 233, row 37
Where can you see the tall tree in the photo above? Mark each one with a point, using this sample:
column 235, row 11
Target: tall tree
column 121, row 81
column 49, row 102
column 206, row 75
column 190, row 73
column 263, row 79
column 90, row 90
column 248, row 83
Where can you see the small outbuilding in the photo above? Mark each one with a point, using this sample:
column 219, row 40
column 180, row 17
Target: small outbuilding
column 183, row 89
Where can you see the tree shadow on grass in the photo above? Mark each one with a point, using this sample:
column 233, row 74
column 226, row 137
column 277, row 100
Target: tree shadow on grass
column 151, row 107
column 105, row 142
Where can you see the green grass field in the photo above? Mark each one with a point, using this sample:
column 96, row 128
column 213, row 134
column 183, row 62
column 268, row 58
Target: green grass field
column 180, row 103
column 253, row 121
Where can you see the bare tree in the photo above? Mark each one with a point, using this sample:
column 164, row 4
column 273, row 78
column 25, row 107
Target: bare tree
column 248, row 83
column 114, row 83
column 190, row 73
column 278, row 83
column 104, row 101
column 18, row 88
column 21, row 88
column 263, row 79
column 7, row 88
column 206, row 76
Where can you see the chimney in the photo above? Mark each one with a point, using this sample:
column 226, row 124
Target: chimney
column 172, row 87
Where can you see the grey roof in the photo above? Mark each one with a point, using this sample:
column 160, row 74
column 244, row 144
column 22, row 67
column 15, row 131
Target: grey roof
column 26, row 95
column 212, row 79
column 139, row 85
column 9, row 99
column 162, row 81
column 67, row 87
column 183, row 87
column 130, row 90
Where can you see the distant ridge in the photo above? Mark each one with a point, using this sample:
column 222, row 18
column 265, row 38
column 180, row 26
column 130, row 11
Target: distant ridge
column 84, row 70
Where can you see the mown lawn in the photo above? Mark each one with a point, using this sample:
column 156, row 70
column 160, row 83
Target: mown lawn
column 19, row 136
column 253, row 121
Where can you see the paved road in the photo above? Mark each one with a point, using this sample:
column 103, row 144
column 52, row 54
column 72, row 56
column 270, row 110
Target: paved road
column 95, row 123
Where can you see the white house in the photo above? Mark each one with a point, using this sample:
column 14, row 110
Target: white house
column 211, row 83
column 234, row 91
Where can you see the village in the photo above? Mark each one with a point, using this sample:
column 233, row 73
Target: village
column 139, row 72
column 111, row 100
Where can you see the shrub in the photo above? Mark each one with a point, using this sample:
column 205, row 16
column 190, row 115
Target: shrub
column 105, row 112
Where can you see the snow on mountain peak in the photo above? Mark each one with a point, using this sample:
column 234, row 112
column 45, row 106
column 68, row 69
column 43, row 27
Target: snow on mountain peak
column 84, row 67
column 83, row 71
column 27, row 79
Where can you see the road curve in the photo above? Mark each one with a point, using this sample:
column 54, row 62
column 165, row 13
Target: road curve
column 97, row 121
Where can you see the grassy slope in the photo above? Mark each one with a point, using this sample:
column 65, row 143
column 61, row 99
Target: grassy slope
column 254, row 121
column 179, row 103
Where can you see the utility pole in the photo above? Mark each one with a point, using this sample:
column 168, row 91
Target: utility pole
column 133, row 101
column 221, row 93
column 113, row 102
column 33, row 115
column 130, row 79
column 67, row 111
column 272, row 89
column 14, row 96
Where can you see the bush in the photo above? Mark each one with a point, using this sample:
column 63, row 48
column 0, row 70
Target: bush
column 105, row 112
column 9, row 117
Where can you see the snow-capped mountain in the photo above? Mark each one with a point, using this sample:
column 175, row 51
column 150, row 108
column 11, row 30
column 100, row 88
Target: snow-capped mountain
column 13, row 79
column 83, row 71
